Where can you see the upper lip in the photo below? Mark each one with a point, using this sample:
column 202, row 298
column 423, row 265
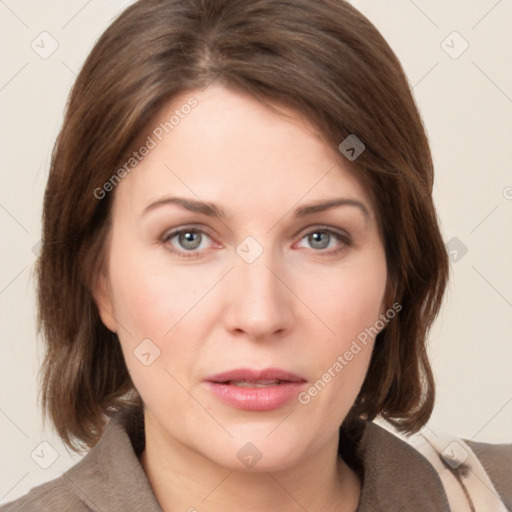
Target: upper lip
column 250, row 374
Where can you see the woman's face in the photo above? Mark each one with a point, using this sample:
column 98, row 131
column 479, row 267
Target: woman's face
column 258, row 279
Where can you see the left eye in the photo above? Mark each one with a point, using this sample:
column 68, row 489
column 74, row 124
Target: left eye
column 322, row 239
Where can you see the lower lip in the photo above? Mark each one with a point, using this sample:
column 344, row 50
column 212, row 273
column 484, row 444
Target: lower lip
column 256, row 399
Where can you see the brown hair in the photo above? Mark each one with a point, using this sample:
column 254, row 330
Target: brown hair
column 327, row 62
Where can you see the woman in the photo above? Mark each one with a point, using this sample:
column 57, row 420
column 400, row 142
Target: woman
column 240, row 262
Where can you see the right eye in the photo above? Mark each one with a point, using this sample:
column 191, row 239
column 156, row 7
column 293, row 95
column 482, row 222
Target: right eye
column 187, row 242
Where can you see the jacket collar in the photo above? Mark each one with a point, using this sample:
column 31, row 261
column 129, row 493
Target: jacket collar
column 396, row 477
column 110, row 477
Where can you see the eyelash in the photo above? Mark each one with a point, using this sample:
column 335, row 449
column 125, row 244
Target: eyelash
column 344, row 238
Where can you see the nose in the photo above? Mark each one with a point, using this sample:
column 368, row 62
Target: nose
column 259, row 303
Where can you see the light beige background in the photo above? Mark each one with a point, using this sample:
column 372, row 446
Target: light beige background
column 467, row 107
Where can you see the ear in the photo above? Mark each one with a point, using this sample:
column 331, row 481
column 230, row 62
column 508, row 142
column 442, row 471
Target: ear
column 103, row 298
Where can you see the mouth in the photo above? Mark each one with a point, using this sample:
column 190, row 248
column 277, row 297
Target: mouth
column 254, row 383
column 266, row 376
column 255, row 390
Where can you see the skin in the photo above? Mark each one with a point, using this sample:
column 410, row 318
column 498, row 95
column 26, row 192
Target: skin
column 294, row 307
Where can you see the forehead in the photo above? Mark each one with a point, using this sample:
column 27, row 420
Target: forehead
column 227, row 148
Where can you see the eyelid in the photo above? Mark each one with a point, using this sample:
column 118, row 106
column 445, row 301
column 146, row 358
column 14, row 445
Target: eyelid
column 322, row 227
column 191, row 227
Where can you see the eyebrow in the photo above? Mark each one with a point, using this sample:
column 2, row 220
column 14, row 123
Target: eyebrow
column 212, row 210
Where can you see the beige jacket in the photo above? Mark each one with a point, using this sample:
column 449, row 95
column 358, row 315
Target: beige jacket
column 397, row 478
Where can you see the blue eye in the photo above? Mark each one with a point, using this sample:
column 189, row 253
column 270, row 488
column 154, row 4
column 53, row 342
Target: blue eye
column 192, row 242
column 321, row 239
column 189, row 239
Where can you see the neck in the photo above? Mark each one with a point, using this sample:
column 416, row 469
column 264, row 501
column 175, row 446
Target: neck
column 183, row 479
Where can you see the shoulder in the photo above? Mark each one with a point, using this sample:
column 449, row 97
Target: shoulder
column 109, row 477
column 497, row 462
column 396, row 475
column 67, row 492
column 432, row 472
column 51, row 496
column 470, row 471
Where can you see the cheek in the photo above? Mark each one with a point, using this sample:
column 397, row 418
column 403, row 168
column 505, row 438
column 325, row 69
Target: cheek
column 151, row 297
column 157, row 306
column 350, row 299
column 350, row 306
column 360, row 301
column 152, row 309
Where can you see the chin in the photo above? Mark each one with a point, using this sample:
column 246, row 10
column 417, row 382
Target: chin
column 257, row 454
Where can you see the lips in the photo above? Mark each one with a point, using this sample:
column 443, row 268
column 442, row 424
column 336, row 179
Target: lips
column 255, row 390
column 248, row 375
